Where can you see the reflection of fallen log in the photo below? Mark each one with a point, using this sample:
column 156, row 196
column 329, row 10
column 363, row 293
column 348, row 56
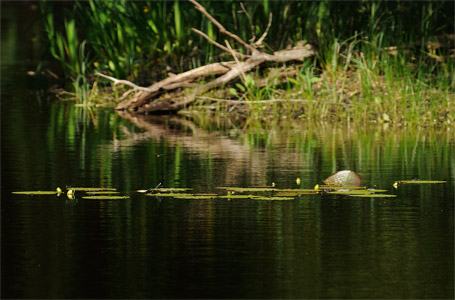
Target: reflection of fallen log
column 176, row 131
column 175, row 92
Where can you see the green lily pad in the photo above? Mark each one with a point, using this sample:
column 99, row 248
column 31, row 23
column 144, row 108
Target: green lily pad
column 296, row 194
column 374, row 195
column 247, row 189
column 91, row 189
column 167, row 194
column 170, row 190
column 339, row 187
column 237, row 196
column 194, row 197
column 32, row 193
column 273, row 198
column 351, row 192
column 421, row 181
column 105, row 197
column 295, row 190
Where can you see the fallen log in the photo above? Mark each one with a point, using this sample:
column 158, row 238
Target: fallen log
column 178, row 91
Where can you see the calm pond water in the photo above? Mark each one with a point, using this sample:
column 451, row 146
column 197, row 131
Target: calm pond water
column 317, row 246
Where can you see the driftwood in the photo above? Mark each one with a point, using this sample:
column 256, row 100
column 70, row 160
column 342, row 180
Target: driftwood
column 169, row 95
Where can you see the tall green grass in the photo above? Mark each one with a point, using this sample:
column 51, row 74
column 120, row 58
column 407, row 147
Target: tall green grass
column 352, row 75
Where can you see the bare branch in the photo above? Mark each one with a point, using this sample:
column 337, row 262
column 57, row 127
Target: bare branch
column 235, row 58
column 125, row 82
column 259, row 42
column 253, row 36
column 221, row 27
column 219, row 45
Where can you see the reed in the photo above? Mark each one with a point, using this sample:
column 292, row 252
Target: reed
column 375, row 59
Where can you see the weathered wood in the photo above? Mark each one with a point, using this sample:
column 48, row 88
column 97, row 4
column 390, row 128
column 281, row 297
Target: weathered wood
column 151, row 99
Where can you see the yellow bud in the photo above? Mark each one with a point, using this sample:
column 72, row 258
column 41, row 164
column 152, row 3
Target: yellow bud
column 395, row 185
column 59, row 190
column 316, row 187
column 297, row 181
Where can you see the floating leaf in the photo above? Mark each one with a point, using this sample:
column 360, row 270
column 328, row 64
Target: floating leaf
column 351, row 192
column 296, row 190
column 238, row 196
column 248, row 189
column 336, row 188
column 193, row 197
column 105, row 197
column 169, row 190
column 273, row 198
column 374, row 195
column 343, row 178
column 420, row 181
column 32, row 193
column 296, row 194
column 167, row 194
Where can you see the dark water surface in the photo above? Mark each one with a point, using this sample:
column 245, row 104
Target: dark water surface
column 144, row 247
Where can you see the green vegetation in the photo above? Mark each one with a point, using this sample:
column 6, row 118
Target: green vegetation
column 382, row 61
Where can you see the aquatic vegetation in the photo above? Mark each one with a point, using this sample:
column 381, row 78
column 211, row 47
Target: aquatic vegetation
column 248, row 189
column 420, row 181
column 273, row 198
column 373, row 195
column 351, row 192
column 169, row 190
column 32, row 193
column 237, row 196
column 194, row 197
column 166, row 194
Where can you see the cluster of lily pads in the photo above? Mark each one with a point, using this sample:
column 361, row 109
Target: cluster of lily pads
column 344, row 182
column 266, row 193
column 90, row 193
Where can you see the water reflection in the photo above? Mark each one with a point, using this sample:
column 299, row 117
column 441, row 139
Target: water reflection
column 143, row 247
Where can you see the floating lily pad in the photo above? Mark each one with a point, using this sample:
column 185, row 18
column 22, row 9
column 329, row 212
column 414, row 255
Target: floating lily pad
column 344, row 178
column 89, row 189
column 338, row 187
column 194, row 197
column 238, row 196
column 351, row 192
column 167, row 194
column 247, row 189
column 374, row 195
column 421, row 181
column 32, row 193
column 296, row 194
column 273, row 198
column 105, row 197
column 296, row 190
column 169, row 190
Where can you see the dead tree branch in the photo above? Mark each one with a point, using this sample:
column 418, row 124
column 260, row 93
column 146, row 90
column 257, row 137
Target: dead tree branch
column 178, row 91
